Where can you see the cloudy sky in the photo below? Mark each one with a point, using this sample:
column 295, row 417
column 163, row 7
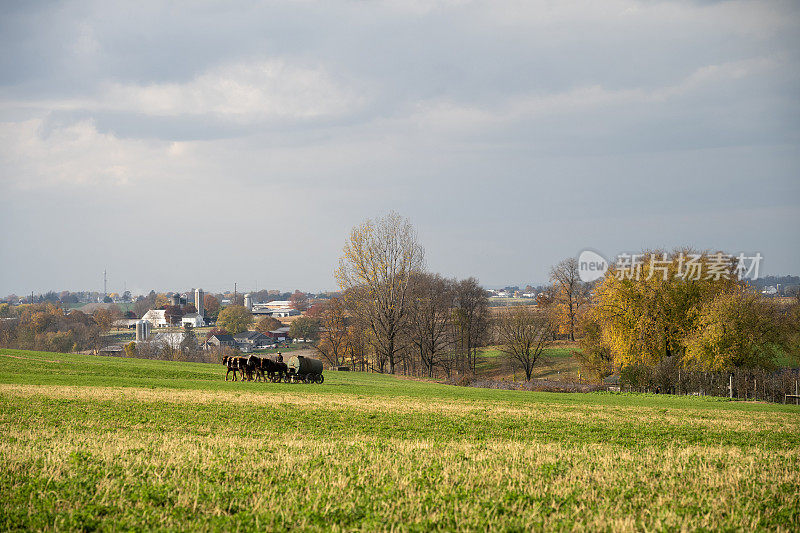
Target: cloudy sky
column 206, row 143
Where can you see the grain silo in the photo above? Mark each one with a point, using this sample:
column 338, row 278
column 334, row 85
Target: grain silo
column 248, row 301
column 142, row 330
column 198, row 302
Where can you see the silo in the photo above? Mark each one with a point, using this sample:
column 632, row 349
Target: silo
column 248, row 301
column 175, row 299
column 142, row 330
column 198, row 302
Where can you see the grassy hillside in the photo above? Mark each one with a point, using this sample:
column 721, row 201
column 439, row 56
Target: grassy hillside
column 93, row 442
column 557, row 363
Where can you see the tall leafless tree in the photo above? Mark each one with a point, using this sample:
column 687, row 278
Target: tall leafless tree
column 375, row 271
column 569, row 291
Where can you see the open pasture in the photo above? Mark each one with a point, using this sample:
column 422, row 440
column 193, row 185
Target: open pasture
column 109, row 443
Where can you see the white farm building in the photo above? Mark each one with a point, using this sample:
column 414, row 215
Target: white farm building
column 156, row 318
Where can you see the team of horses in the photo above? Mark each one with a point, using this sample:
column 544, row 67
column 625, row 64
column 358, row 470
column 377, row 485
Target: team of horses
column 254, row 368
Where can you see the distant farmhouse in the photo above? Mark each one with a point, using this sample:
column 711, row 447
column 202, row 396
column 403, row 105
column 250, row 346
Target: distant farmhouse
column 219, row 340
column 158, row 320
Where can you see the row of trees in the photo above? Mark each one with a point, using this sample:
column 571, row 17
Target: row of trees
column 45, row 327
column 439, row 331
column 393, row 314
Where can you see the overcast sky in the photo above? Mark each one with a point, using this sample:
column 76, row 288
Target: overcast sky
column 205, row 143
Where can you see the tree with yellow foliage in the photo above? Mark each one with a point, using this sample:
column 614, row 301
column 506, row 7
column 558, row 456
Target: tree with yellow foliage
column 647, row 309
column 737, row 329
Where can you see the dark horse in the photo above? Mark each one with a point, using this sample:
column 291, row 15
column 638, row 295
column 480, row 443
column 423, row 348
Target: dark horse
column 232, row 364
column 255, row 367
column 274, row 370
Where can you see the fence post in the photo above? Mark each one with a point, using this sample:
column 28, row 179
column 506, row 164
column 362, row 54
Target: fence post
column 730, row 386
column 796, row 399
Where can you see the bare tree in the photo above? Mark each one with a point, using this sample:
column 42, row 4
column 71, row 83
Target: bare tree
column 569, row 291
column 430, row 328
column 471, row 319
column 524, row 333
column 375, row 274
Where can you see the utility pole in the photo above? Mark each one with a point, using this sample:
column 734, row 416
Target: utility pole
column 234, row 293
column 105, row 282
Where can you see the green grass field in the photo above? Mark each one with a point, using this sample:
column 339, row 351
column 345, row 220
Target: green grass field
column 91, row 443
column 557, row 363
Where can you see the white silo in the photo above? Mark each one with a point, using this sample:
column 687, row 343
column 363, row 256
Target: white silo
column 142, row 330
column 198, row 301
column 248, row 302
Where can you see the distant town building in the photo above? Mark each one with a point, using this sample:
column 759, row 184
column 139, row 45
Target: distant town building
column 280, row 334
column 275, row 308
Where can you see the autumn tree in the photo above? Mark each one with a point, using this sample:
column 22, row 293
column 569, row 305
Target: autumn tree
column 524, row 332
column 596, row 356
column 173, row 314
column 267, row 324
column 375, row 273
column 305, row 328
column 738, row 328
column 235, row 319
column 318, row 309
column 646, row 312
column 299, row 300
column 161, row 300
column 105, row 317
column 130, row 349
column 333, row 335
column 211, row 305
column 356, row 346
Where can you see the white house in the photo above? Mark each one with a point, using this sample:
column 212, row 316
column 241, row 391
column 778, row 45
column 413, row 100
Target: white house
column 194, row 319
column 156, row 318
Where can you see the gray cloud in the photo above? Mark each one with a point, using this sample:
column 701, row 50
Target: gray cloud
column 159, row 140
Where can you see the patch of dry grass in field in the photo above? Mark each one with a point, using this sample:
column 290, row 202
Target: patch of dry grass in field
column 710, row 418
column 367, row 483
